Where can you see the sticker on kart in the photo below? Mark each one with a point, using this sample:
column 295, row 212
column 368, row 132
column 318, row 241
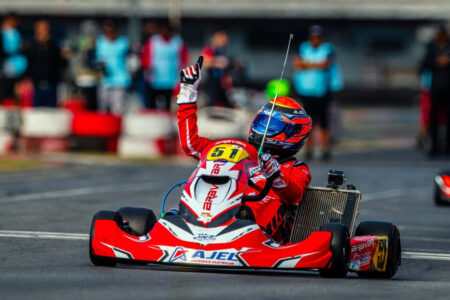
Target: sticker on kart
column 381, row 254
column 228, row 152
column 184, row 255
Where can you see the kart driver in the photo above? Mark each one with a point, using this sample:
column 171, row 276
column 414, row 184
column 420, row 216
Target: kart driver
column 288, row 130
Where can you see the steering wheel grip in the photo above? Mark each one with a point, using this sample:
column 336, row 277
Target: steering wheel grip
column 264, row 192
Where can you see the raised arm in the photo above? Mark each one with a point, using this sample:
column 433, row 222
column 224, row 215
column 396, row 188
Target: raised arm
column 191, row 142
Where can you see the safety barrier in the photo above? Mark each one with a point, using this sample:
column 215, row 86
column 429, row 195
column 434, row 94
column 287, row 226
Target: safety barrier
column 148, row 134
column 46, row 122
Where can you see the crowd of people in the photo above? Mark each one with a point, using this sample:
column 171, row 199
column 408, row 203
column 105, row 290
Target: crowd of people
column 104, row 66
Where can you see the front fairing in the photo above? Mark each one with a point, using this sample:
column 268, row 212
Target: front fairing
column 214, row 192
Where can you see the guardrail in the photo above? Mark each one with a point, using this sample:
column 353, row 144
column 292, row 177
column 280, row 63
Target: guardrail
column 400, row 9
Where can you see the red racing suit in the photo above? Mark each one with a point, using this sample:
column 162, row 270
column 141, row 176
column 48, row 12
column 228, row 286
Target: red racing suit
column 268, row 212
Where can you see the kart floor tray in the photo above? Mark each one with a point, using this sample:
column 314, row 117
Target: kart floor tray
column 323, row 205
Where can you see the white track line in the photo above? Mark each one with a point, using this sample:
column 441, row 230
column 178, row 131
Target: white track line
column 44, row 235
column 426, row 255
column 390, row 193
column 85, row 237
column 426, row 239
column 424, row 228
column 82, row 192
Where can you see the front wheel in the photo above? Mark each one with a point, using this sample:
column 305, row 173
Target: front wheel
column 340, row 248
column 95, row 259
column 394, row 246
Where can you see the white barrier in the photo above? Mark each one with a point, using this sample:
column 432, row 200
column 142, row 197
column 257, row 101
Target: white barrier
column 6, row 143
column 3, row 118
column 220, row 123
column 148, row 126
column 142, row 148
column 46, row 122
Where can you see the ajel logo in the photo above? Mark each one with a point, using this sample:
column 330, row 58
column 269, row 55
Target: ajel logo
column 178, row 253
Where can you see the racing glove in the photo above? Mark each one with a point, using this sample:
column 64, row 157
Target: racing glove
column 190, row 79
column 271, row 169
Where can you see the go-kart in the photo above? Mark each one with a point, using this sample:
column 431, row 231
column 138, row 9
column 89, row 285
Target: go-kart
column 210, row 229
column 442, row 188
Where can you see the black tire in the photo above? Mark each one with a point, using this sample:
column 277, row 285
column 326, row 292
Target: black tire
column 340, row 247
column 394, row 257
column 135, row 220
column 95, row 259
column 437, row 198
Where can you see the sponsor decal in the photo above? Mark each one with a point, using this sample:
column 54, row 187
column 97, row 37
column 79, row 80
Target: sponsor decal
column 212, row 194
column 252, row 171
column 381, row 254
column 360, row 261
column 362, row 246
column 362, row 253
column 216, row 169
column 196, row 256
column 178, row 254
column 204, row 237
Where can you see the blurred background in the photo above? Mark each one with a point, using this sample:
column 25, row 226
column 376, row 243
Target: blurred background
column 94, row 76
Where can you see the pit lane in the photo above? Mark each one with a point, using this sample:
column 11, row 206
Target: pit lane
column 45, row 217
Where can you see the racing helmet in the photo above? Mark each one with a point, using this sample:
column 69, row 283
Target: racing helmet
column 288, row 129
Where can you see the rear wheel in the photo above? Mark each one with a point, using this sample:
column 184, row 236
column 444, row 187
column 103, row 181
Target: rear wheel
column 340, row 248
column 394, row 246
column 135, row 220
column 95, row 259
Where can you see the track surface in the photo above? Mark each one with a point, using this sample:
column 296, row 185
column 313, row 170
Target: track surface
column 396, row 186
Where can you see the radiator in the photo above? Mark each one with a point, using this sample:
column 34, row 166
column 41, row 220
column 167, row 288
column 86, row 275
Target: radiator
column 323, row 205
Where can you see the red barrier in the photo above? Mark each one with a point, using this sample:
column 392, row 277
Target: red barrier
column 91, row 124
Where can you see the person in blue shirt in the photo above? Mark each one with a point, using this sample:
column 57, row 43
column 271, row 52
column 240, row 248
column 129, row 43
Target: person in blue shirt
column 111, row 52
column 12, row 61
column 163, row 56
column 317, row 76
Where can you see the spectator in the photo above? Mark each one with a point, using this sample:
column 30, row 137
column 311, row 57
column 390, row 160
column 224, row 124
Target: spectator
column 162, row 58
column 45, row 65
column 12, row 63
column 87, row 74
column 217, row 63
column 317, row 76
column 425, row 104
column 149, row 29
column 437, row 60
column 111, row 52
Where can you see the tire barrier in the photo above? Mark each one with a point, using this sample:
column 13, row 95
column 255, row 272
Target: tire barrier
column 6, row 143
column 46, row 123
column 130, row 147
column 148, row 135
column 153, row 125
column 92, row 124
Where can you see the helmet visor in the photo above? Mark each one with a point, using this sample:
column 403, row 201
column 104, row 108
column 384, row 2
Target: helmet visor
column 276, row 125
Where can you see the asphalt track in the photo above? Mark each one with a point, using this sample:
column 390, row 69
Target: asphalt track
column 45, row 217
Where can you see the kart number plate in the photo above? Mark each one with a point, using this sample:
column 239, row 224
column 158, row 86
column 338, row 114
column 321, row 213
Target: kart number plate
column 228, row 152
